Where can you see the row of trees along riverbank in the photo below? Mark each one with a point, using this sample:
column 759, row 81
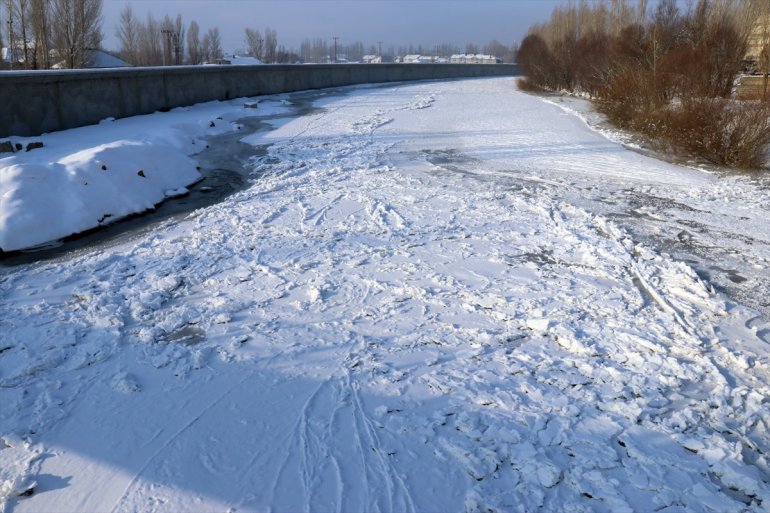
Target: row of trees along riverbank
column 665, row 72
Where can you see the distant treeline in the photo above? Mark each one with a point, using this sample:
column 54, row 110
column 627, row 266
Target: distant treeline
column 169, row 42
column 665, row 72
column 42, row 33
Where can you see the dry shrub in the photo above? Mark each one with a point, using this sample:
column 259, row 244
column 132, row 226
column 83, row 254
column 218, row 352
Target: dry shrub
column 668, row 77
column 592, row 66
column 721, row 131
column 736, row 133
column 527, row 84
column 537, row 62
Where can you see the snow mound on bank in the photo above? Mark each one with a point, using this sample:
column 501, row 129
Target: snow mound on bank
column 44, row 201
column 87, row 177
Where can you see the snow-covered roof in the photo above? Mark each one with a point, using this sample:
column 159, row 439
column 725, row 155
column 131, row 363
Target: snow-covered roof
column 472, row 56
column 98, row 59
column 242, row 60
column 102, row 59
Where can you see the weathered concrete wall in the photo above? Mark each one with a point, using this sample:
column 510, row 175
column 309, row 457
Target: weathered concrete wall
column 45, row 101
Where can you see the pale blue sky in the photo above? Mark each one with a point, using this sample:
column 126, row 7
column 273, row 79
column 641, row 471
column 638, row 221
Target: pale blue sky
column 395, row 22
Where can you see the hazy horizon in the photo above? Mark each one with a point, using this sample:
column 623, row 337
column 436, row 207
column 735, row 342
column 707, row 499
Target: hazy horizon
column 394, row 22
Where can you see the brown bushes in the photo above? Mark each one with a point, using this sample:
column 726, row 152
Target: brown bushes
column 720, row 130
column 537, row 62
column 668, row 75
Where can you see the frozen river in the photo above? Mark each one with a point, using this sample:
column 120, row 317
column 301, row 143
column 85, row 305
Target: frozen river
column 440, row 296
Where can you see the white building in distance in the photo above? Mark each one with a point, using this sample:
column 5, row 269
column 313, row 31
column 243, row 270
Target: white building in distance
column 475, row 59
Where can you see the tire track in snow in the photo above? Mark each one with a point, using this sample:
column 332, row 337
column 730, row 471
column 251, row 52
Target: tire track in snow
column 314, row 450
column 398, row 490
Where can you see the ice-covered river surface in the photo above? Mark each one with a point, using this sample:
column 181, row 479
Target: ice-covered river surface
column 445, row 296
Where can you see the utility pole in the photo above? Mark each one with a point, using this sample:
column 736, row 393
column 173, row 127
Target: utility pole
column 335, row 48
column 167, row 33
column 177, row 49
column 10, row 42
column 380, row 43
column 172, row 36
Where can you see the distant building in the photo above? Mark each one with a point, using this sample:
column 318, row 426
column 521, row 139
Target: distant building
column 417, row 59
column 15, row 55
column 474, row 59
column 98, row 59
column 372, row 59
column 758, row 47
column 243, row 60
column 218, row 62
column 12, row 55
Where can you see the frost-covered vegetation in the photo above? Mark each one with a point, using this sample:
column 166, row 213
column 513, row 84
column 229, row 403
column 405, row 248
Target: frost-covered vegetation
column 665, row 72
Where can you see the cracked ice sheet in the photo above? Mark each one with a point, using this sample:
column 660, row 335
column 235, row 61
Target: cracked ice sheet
column 369, row 328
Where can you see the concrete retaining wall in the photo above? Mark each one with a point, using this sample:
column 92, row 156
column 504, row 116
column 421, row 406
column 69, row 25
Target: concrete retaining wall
column 45, row 101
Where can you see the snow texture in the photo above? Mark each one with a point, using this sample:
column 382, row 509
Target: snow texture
column 409, row 310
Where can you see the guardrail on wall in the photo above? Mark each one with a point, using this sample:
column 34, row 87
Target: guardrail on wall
column 45, row 101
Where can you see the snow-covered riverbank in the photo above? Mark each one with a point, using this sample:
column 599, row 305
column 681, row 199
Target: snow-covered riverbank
column 409, row 311
column 88, row 177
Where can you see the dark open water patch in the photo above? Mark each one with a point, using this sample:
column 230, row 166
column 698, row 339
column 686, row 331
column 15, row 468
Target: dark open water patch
column 224, row 170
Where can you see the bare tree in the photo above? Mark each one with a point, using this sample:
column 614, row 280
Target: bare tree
column 22, row 15
column 150, row 53
column 11, row 44
column 28, row 31
column 17, row 31
column 194, row 51
column 40, row 19
column 254, row 43
column 271, row 44
column 194, row 55
column 167, row 43
column 354, row 52
column 316, row 50
column 496, row 48
column 305, row 50
column 212, row 45
column 179, row 42
column 76, row 29
column 128, row 35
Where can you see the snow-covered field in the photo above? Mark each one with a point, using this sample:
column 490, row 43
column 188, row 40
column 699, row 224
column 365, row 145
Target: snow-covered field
column 416, row 307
